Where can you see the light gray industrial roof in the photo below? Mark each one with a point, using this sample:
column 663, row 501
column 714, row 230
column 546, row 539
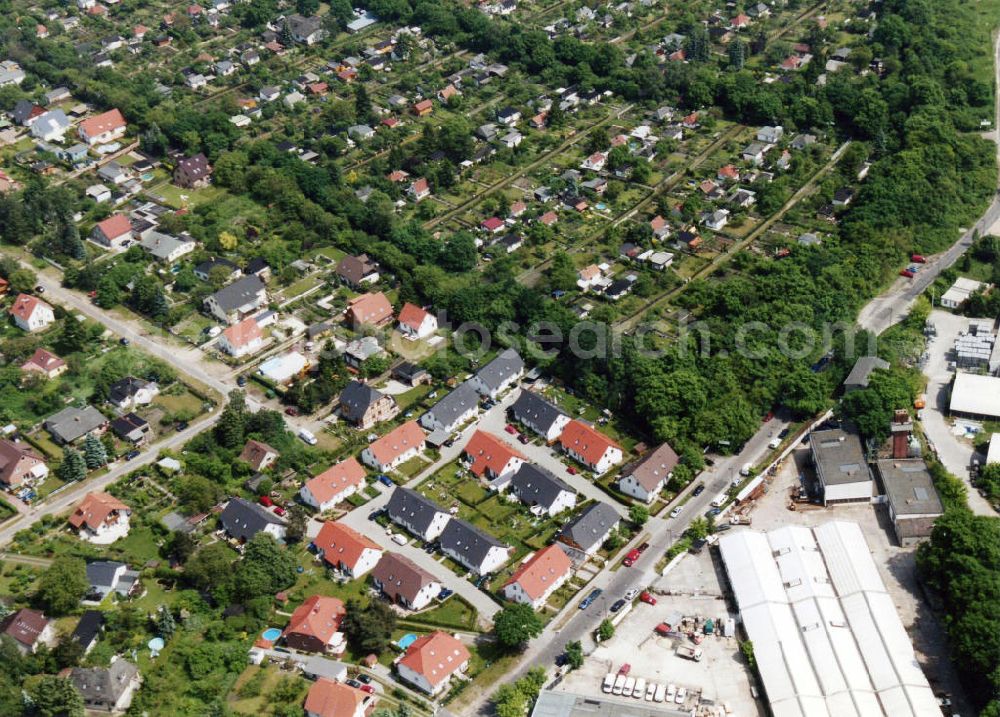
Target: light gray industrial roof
column 839, row 457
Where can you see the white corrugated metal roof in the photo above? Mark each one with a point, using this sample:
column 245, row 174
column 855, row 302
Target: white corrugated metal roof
column 826, row 635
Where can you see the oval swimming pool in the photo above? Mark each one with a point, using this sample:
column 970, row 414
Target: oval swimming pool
column 406, row 640
column 271, row 634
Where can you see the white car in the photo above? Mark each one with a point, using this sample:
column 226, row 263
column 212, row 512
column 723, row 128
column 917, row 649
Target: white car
column 671, row 693
column 661, row 690
column 640, row 688
column 676, row 511
column 629, row 686
column 775, row 442
column 682, row 694
column 399, row 539
column 631, row 594
column 609, row 682
column 650, row 691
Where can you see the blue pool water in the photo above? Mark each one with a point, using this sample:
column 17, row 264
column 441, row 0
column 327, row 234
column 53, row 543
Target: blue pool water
column 406, row 640
column 271, row 634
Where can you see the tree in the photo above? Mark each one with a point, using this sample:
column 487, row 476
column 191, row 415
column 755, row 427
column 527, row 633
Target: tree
column 109, row 294
column 700, row 528
column 574, row 655
column 229, row 431
column 228, row 241
column 369, row 629
column 63, row 585
column 605, row 631
column 72, row 336
column 208, row 566
column 266, row 568
column 297, row 521
column 515, row 624
column 73, row 467
column 94, row 453
column 56, row 697
column 165, row 624
column 638, row 514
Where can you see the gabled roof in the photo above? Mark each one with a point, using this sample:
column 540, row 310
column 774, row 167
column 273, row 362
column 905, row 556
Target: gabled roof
column 25, row 305
column 412, row 316
column 656, row 467
column 319, row 617
column 455, row 404
column 357, row 398
column 125, row 425
column 591, row 526
column 586, row 441
column 196, row 166
column 489, row 452
column 536, row 486
column 336, row 479
column 533, row 408
column 356, row 268
column 397, row 442
column 544, row 569
column 256, row 452
column 104, row 122
column 501, row 369
column 43, row 360
column 341, row 544
column 90, row 626
column 408, row 506
column 436, row 656
column 243, row 519
column 328, row 698
column 370, row 308
column 239, row 293
column 126, row 389
column 115, row 226
column 102, row 573
column 71, row 423
column 95, row 509
column 243, row 333
column 468, row 541
column 400, row 576
column 24, row 626
column 104, row 684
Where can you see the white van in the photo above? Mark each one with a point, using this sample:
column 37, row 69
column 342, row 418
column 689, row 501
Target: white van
column 661, row 690
column 619, row 685
column 609, row 682
column 745, row 470
column 720, row 499
column 307, row 436
column 640, row 688
column 629, row 686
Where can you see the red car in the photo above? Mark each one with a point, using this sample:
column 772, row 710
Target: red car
column 510, row 429
column 632, row 556
column 907, row 273
column 768, row 416
column 571, row 470
column 291, row 411
column 278, row 510
column 919, row 259
column 266, row 501
column 625, row 669
column 367, row 688
column 647, row 598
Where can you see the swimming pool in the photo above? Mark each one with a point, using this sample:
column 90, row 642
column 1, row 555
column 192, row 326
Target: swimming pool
column 406, row 640
column 271, row 634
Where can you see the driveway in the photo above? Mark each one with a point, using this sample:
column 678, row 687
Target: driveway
column 954, row 453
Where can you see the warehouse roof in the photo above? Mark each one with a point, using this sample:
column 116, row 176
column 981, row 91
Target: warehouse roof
column 839, row 457
column 975, row 395
column 813, row 599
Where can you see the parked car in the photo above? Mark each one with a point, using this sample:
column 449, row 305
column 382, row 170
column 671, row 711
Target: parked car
column 768, row 416
column 278, row 510
column 643, row 547
column 265, row 500
column 784, row 433
column 712, row 512
column 571, row 470
column 631, row 557
column 523, row 439
column 775, row 442
column 631, row 594
column 353, row 683
column 918, row 259
column 292, row 411
column 368, row 688
column 399, row 539
column 374, row 515
column 647, row 598
column 676, row 511
column 181, row 426
column 241, row 381
column 510, row 429
column 906, row 273
column 589, row 600
column 39, row 289
column 681, row 695
column 385, row 480
column 124, row 341
column 445, row 593
column 699, row 489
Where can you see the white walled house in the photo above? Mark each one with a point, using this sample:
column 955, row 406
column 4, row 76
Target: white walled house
column 100, row 518
column 395, row 448
column 646, row 479
column 334, row 485
column 539, row 576
column 31, row 313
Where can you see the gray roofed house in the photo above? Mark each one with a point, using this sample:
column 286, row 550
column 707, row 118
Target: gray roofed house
column 88, row 629
column 472, row 548
column 914, row 503
column 584, row 535
column 404, row 582
column 539, row 414
column 500, row 373
column 237, row 300
column 365, row 406
column 453, row 410
column 419, row 515
column 841, row 468
column 307, row 30
column 107, row 576
column 167, row 247
column 862, row 371
column 71, row 424
column 243, row 520
column 50, row 126
column 540, row 490
column 107, row 689
column 647, row 477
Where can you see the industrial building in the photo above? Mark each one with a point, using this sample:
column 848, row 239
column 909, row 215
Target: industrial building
column 841, row 469
column 826, row 635
column 976, row 347
column 975, row 396
column 913, row 501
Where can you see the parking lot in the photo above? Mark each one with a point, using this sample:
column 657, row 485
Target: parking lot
column 719, row 679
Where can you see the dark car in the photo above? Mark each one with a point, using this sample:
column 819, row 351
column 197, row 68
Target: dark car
column 643, row 548
column 291, row 411
column 445, row 594
column 124, row 341
column 523, row 439
column 429, row 548
column 181, row 425
column 561, row 659
column 712, row 512
column 365, row 678
column 374, row 514
column 699, row 489
column 131, row 454
column 353, row 683
column 241, row 381
column 39, row 289
column 783, row 433
column 385, row 480
column 449, row 443
column 617, row 605
column 589, row 600
column 723, row 527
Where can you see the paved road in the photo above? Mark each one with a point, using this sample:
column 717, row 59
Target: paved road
column 661, row 534
column 67, row 498
column 893, row 305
